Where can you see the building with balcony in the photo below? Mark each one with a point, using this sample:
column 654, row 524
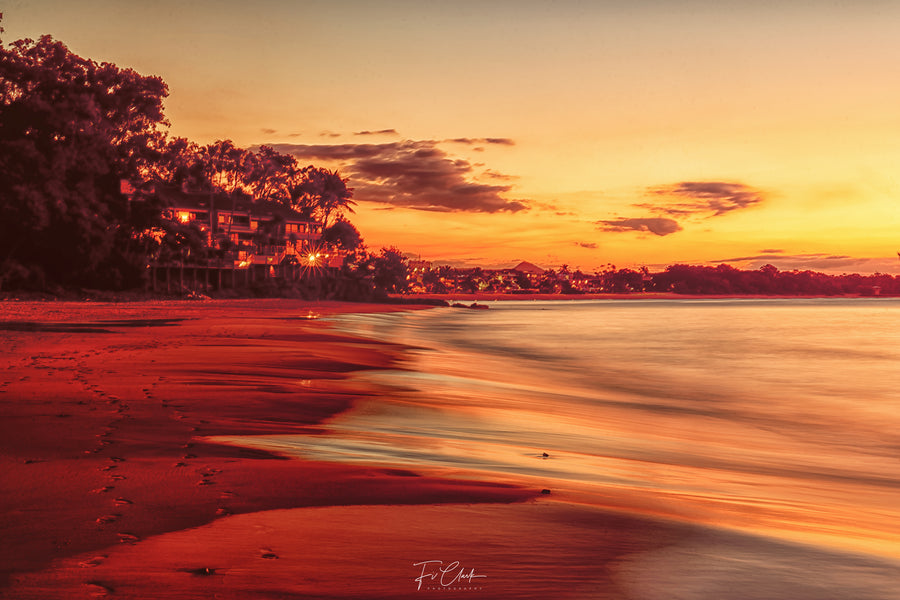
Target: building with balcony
column 251, row 232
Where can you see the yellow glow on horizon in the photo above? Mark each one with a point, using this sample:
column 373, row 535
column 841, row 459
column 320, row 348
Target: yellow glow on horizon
column 604, row 101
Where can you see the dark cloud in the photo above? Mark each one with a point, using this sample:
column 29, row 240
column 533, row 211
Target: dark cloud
column 329, row 134
column 333, row 152
column 703, row 199
column 379, row 132
column 708, row 198
column 772, row 251
column 411, row 174
column 588, row 245
column 474, row 141
column 655, row 225
column 268, row 131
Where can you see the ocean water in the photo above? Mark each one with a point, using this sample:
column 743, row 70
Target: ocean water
column 776, row 418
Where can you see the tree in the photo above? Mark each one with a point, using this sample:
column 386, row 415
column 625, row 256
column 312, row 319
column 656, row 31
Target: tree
column 177, row 162
column 390, row 271
column 70, row 130
column 269, row 174
column 321, row 192
column 343, row 235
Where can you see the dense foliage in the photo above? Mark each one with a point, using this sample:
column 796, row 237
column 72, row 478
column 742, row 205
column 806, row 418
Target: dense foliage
column 70, row 130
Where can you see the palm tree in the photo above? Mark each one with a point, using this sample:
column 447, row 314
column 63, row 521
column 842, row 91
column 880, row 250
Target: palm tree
column 322, row 191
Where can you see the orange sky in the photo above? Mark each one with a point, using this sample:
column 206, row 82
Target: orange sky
column 586, row 133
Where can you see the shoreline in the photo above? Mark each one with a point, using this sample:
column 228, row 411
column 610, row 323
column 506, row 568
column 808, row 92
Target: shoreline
column 496, row 297
column 102, row 407
column 110, row 487
column 111, row 490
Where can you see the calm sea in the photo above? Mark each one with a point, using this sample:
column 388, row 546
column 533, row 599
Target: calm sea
column 776, row 417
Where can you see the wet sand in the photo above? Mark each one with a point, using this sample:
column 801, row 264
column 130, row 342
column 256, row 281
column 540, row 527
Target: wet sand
column 104, row 408
column 108, row 488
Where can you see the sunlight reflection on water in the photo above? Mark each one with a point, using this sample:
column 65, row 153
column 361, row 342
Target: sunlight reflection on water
column 780, row 417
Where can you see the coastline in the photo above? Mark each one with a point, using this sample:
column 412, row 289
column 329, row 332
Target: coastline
column 101, row 420
column 495, row 297
column 104, row 409
column 110, row 488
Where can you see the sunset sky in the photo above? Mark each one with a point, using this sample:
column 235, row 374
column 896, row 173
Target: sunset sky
column 488, row 132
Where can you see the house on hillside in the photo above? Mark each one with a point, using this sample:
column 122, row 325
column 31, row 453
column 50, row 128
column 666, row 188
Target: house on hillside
column 257, row 232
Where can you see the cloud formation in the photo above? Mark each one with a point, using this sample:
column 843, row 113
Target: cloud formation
column 686, row 199
column 490, row 174
column 656, row 225
column 588, row 245
column 410, row 174
column 379, row 132
column 705, row 198
column 475, row 141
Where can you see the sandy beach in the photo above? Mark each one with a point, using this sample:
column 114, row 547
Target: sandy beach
column 108, row 488
column 112, row 488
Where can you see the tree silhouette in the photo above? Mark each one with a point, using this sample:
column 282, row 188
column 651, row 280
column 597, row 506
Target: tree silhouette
column 269, row 174
column 321, row 192
column 390, row 271
column 70, row 130
column 343, row 235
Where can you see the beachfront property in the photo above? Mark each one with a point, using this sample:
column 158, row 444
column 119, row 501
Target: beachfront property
column 257, row 233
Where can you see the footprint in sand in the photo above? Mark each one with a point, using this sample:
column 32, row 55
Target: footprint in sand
column 103, row 490
column 98, row 590
column 117, row 477
column 223, row 511
column 105, row 519
column 108, row 468
column 267, row 553
column 128, row 538
column 120, row 501
column 93, row 561
column 201, row 571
